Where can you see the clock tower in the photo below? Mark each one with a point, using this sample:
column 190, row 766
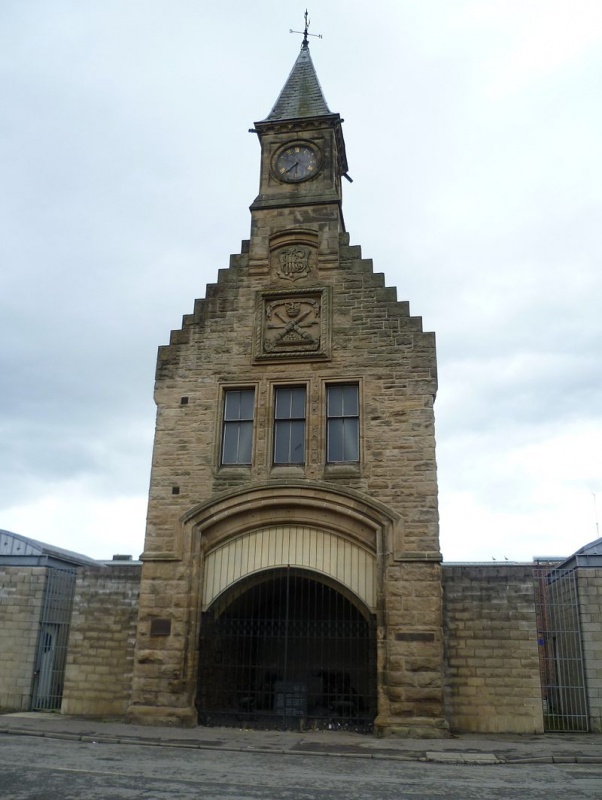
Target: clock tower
column 302, row 161
column 291, row 570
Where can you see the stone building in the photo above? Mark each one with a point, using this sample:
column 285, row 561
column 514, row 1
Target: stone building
column 291, row 573
column 291, row 560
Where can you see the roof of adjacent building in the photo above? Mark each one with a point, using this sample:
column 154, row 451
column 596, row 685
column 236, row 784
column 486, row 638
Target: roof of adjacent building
column 301, row 95
column 590, row 555
column 16, row 546
column 592, row 549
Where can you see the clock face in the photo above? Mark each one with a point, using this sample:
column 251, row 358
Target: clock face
column 297, row 162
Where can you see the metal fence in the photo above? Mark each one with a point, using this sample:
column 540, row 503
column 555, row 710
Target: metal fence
column 561, row 661
column 53, row 637
column 286, row 651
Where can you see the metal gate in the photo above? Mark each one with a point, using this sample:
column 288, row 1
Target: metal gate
column 51, row 653
column 283, row 650
column 561, row 662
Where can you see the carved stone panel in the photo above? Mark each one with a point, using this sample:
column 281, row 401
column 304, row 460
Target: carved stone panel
column 293, row 262
column 293, row 324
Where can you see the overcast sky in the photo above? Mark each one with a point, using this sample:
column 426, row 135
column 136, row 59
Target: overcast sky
column 474, row 137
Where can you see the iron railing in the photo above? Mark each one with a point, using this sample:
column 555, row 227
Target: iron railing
column 561, row 661
column 283, row 650
column 51, row 655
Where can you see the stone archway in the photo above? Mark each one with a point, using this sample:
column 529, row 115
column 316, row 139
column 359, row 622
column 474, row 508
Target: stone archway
column 287, row 648
column 343, row 511
column 337, row 538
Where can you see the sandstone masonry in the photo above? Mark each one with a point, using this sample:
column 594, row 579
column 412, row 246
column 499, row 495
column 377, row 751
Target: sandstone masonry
column 21, row 597
column 492, row 661
column 98, row 676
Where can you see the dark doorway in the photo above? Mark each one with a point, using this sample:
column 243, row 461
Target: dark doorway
column 283, row 650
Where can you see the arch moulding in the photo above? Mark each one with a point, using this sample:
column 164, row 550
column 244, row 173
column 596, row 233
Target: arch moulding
column 343, row 512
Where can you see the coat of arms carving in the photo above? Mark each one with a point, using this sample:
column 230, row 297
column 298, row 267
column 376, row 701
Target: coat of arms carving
column 292, row 324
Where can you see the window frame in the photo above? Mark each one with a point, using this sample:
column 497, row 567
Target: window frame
column 240, row 423
column 282, row 422
column 355, row 462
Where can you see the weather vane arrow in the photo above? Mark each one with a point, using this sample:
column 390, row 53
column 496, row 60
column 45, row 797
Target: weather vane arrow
column 305, row 32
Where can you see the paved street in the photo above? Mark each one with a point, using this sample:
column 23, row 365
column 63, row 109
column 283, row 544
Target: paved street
column 35, row 768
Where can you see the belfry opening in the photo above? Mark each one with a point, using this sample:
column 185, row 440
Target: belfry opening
column 288, row 648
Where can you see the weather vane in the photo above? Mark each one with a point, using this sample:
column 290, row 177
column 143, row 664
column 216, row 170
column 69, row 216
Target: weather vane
column 305, row 42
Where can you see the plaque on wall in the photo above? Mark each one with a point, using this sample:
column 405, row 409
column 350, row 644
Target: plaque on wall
column 294, row 262
column 293, row 324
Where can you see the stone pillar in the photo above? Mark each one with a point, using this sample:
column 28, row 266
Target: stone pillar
column 411, row 692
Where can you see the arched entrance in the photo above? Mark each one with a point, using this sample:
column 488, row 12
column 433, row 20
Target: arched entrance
column 287, row 648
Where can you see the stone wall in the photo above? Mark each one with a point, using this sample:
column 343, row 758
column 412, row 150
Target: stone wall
column 589, row 584
column 98, row 675
column 492, row 661
column 21, row 597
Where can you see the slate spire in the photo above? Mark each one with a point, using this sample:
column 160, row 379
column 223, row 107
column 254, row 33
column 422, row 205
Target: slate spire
column 301, row 95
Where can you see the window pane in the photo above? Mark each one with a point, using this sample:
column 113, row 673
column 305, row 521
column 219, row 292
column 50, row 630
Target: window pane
column 232, row 409
column 237, row 444
column 335, row 401
column 289, row 442
column 298, row 403
column 281, row 439
column 283, row 404
column 350, row 439
column 289, row 426
column 343, row 401
column 239, row 404
column 245, row 442
column 230, row 448
column 335, row 440
column 350, row 401
column 290, row 403
column 247, row 399
column 297, row 445
column 342, row 427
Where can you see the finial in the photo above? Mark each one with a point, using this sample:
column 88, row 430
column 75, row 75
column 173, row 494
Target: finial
column 305, row 42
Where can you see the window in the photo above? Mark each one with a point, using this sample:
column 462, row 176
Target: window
column 289, row 426
column 237, row 442
column 342, row 423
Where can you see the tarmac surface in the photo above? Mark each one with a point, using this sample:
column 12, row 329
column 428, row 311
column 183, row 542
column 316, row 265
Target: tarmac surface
column 550, row 748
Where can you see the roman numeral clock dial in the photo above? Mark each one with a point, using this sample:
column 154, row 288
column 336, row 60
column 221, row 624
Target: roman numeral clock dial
column 296, row 162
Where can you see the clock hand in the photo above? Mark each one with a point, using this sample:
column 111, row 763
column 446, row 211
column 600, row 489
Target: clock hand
column 296, row 164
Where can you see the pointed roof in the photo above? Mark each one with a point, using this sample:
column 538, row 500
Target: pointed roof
column 302, row 95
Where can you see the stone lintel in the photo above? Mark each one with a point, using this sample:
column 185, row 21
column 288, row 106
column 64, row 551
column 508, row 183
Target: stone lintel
column 412, row 556
column 159, row 557
column 284, row 202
